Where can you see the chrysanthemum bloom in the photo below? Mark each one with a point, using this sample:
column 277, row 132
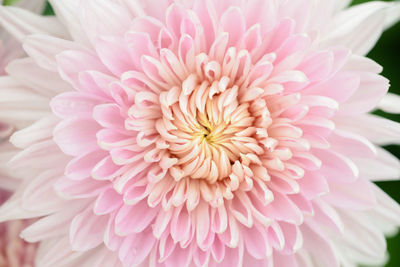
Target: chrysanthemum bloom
column 202, row 133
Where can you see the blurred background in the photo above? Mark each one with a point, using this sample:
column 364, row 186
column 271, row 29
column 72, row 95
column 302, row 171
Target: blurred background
column 387, row 54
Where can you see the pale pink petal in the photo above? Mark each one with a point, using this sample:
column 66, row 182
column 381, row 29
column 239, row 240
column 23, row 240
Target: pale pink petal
column 86, row 230
column 85, row 142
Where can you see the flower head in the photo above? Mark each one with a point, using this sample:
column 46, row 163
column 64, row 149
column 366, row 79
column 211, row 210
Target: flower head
column 205, row 133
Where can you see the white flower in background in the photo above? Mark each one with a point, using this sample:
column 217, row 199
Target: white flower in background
column 14, row 251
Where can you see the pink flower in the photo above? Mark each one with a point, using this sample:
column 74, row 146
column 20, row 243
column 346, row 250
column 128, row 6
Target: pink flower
column 14, row 252
column 202, row 133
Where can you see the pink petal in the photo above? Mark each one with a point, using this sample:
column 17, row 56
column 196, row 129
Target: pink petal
column 109, row 116
column 233, row 22
column 107, row 202
column 74, row 104
column 255, row 240
column 73, row 62
column 136, row 248
column 281, row 208
column 344, row 195
column 76, row 136
column 85, row 188
column 81, row 167
column 313, row 184
column 336, row 167
column 319, row 247
column 134, row 219
column 87, row 229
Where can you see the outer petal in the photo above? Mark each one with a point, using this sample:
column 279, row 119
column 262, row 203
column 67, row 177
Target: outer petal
column 79, row 132
column 68, row 13
column 21, row 23
column 87, row 230
column 358, row 27
column 379, row 130
column 390, row 103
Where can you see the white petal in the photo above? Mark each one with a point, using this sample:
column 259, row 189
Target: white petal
column 13, row 210
column 362, row 241
column 103, row 18
column 358, row 27
column 41, row 155
column 341, row 4
column 390, row 103
column 51, row 226
column 28, row 73
column 21, row 23
column 367, row 96
column 39, row 131
column 67, row 12
column 36, row 6
column 55, row 252
column 378, row 130
column 44, row 49
column 357, row 63
column 20, row 106
column 386, row 215
column 384, row 166
column 393, row 15
column 40, row 196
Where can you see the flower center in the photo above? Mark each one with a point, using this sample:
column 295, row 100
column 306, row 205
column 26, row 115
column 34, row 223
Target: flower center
column 208, row 133
column 208, row 130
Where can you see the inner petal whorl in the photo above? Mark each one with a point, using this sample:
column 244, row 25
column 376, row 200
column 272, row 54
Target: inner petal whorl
column 210, row 130
column 208, row 123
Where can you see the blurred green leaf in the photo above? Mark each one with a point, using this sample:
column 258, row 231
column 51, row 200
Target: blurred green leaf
column 356, row 2
column 9, row 2
column 48, row 11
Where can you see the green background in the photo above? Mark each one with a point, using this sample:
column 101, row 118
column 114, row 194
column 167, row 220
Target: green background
column 386, row 53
